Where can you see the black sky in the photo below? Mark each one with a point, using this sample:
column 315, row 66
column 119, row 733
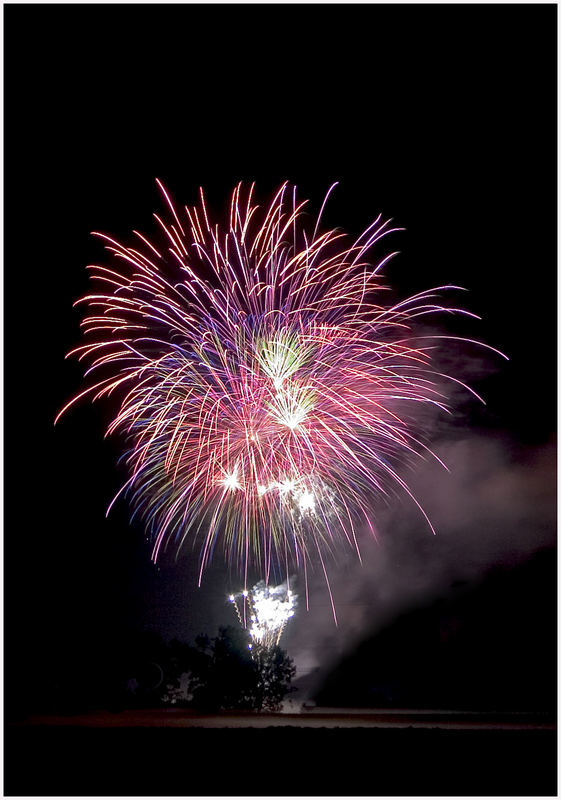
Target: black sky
column 442, row 117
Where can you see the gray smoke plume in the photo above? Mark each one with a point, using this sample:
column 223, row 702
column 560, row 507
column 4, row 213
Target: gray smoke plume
column 496, row 506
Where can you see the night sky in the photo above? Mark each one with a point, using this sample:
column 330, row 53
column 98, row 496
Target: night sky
column 441, row 117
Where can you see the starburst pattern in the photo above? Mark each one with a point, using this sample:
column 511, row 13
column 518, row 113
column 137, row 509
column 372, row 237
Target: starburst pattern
column 267, row 394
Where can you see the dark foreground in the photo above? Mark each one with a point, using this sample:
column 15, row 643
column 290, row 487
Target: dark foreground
column 155, row 754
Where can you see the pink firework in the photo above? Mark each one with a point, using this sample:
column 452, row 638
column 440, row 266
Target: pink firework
column 261, row 380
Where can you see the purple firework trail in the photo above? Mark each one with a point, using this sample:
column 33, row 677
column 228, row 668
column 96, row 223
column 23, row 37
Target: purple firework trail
column 267, row 394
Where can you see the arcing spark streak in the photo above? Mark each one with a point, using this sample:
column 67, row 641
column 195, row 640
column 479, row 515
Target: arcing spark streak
column 266, row 392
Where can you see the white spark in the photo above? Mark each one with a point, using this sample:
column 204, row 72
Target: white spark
column 306, row 501
column 270, row 607
column 231, row 481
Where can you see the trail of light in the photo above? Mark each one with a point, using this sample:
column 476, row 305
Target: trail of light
column 268, row 396
column 269, row 609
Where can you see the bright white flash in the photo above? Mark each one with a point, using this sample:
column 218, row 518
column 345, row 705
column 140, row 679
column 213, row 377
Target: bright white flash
column 294, row 419
column 231, row 481
column 306, row 501
column 291, row 408
column 270, row 609
column 290, row 490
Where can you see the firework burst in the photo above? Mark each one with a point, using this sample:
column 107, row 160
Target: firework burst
column 264, row 612
column 261, row 380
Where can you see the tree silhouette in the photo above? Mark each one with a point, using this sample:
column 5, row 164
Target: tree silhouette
column 227, row 672
column 236, row 673
column 275, row 672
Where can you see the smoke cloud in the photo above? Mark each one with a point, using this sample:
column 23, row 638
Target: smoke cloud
column 496, row 506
